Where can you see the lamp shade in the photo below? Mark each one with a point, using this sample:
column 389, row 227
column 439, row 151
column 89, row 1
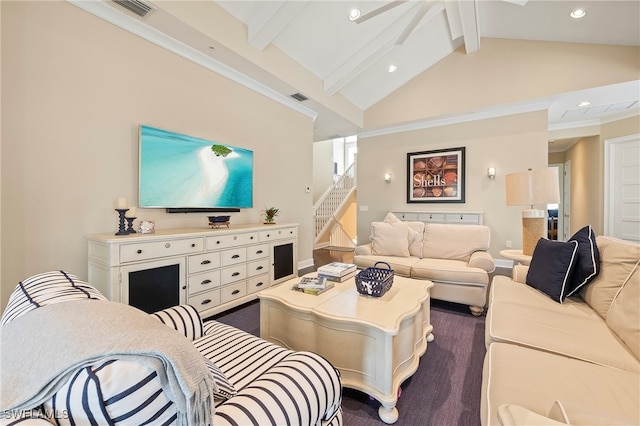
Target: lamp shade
column 532, row 187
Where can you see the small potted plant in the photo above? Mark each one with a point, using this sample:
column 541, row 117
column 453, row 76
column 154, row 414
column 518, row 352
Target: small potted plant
column 270, row 214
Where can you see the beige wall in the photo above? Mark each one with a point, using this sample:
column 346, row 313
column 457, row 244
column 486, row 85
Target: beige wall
column 75, row 90
column 322, row 168
column 510, row 144
column 585, row 159
column 504, row 71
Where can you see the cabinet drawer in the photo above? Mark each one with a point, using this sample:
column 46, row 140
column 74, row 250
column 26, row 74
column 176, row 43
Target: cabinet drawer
column 203, row 281
column 231, row 257
column 203, row 262
column 206, row 300
column 277, row 234
column 233, row 291
column 463, row 218
column 255, row 284
column 231, row 240
column 233, row 273
column 155, row 249
column 258, row 252
column 258, row 267
column 431, row 217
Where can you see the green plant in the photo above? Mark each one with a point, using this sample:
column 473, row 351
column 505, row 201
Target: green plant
column 270, row 213
column 221, row 150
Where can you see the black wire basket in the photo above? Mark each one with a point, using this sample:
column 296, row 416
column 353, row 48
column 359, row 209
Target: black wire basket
column 375, row 281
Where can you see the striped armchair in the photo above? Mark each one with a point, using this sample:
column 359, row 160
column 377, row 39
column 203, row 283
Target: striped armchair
column 256, row 382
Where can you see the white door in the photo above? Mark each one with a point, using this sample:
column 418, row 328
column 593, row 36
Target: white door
column 566, row 202
column 622, row 188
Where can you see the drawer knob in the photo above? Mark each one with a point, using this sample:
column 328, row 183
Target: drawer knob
column 259, row 252
column 259, row 284
column 139, row 251
column 259, row 268
column 217, row 242
column 251, row 237
column 205, row 301
column 184, row 287
column 205, row 262
column 167, row 245
column 205, row 282
column 268, row 235
column 235, row 274
column 234, row 292
column 193, row 244
column 235, row 256
column 235, row 237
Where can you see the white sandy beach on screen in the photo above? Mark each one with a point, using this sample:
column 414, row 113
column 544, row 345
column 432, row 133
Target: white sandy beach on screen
column 214, row 173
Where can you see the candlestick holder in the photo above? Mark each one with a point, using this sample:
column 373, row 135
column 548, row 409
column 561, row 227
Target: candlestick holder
column 121, row 228
column 130, row 229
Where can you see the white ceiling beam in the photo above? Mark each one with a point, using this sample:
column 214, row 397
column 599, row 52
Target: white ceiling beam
column 429, row 9
column 270, row 19
column 367, row 55
column 470, row 25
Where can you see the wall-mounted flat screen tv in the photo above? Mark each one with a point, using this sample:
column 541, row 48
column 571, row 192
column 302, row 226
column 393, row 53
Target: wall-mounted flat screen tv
column 180, row 171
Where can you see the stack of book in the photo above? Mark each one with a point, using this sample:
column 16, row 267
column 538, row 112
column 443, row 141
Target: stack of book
column 313, row 285
column 337, row 271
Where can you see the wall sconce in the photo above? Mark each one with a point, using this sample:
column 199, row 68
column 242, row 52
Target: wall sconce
column 491, row 172
column 387, row 177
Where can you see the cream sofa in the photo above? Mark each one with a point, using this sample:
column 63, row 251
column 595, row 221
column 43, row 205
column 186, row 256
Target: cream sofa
column 454, row 257
column 575, row 362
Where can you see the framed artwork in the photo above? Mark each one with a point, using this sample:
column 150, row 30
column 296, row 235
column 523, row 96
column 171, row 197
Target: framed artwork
column 436, row 176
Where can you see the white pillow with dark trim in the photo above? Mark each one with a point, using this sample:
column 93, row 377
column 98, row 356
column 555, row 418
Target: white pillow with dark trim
column 183, row 318
column 551, row 266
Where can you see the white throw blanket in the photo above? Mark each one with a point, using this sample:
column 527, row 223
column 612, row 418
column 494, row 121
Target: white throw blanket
column 41, row 350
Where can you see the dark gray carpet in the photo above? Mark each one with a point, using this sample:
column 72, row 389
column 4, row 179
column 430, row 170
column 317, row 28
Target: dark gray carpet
column 445, row 390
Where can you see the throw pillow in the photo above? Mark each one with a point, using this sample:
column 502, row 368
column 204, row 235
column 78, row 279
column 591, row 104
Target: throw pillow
column 184, row 318
column 551, row 266
column 390, row 239
column 225, row 389
column 416, row 233
column 588, row 264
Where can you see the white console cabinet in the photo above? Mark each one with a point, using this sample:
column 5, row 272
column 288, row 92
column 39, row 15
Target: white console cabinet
column 211, row 269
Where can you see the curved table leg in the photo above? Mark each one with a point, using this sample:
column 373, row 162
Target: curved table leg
column 430, row 337
column 388, row 414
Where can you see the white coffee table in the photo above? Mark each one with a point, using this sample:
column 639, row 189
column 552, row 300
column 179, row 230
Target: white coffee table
column 376, row 343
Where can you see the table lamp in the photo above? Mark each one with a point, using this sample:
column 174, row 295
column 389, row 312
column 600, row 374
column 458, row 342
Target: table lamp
column 531, row 188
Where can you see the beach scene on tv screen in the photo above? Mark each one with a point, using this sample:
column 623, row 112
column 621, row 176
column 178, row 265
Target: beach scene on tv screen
column 177, row 170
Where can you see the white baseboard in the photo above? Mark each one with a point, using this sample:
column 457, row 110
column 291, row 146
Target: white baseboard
column 307, row 263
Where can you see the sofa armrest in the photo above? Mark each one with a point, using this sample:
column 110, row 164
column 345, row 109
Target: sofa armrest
column 364, row 250
column 519, row 273
column 482, row 260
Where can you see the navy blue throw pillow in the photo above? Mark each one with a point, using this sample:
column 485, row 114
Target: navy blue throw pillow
column 588, row 264
column 551, row 266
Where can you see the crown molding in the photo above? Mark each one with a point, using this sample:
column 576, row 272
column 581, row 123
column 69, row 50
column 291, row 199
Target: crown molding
column 457, row 119
column 129, row 23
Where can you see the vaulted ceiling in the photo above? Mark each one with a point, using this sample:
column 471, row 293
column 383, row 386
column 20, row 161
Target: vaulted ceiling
column 351, row 58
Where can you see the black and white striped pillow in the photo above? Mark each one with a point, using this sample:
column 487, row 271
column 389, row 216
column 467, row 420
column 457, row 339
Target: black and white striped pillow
column 184, row 318
column 45, row 289
column 224, row 389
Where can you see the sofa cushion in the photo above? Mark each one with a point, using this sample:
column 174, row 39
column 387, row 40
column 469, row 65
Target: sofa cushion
column 449, row 241
column 617, row 260
column 588, row 262
column 416, row 233
column 224, row 389
column 482, row 260
column 535, row 379
column 390, row 239
column 451, row 271
column 521, row 315
column 551, row 266
column 400, row 265
column 624, row 315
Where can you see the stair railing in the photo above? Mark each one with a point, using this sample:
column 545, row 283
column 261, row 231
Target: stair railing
column 333, row 200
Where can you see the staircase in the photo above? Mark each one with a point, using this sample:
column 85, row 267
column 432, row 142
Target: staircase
column 330, row 205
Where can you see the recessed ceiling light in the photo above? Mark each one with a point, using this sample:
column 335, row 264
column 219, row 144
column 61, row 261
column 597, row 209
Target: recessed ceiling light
column 584, row 104
column 578, row 13
column 354, row 14
column 392, row 68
